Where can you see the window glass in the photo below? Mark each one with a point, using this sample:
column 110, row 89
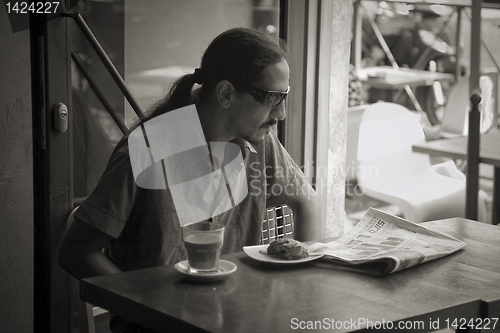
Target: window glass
column 165, row 39
column 151, row 43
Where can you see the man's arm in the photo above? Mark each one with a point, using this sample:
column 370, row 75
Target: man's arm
column 80, row 252
column 307, row 213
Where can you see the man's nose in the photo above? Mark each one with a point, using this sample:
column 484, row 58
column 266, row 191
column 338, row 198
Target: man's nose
column 279, row 111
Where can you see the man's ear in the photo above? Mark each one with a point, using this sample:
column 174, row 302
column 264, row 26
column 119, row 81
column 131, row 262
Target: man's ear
column 225, row 93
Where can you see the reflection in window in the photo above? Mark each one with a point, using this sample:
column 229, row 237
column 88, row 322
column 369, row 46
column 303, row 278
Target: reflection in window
column 166, row 39
column 151, row 43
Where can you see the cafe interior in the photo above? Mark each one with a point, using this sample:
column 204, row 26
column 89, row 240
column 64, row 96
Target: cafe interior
column 392, row 105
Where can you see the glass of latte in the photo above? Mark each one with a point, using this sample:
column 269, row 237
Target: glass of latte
column 203, row 243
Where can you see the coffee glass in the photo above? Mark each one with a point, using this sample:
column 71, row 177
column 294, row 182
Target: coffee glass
column 203, row 243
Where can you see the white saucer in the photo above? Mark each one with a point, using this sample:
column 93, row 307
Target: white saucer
column 225, row 268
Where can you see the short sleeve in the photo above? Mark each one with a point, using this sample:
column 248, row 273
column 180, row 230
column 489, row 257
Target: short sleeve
column 283, row 176
column 110, row 204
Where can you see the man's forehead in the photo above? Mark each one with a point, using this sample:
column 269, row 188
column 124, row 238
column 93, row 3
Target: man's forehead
column 275, row 77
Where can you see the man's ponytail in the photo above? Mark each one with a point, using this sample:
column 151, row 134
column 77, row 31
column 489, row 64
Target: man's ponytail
column 238, row 54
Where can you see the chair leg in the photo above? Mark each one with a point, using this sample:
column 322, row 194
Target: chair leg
column 86, row 322
column 85, row 317
column 89, row 308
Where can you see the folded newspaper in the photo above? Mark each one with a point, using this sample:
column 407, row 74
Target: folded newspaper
column 382, row 243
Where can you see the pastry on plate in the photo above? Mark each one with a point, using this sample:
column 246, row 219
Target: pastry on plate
column 287, row 248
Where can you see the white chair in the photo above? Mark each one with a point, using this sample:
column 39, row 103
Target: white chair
column 456, row 112
column 86, row 312
column 277, row 223
column 391, row 172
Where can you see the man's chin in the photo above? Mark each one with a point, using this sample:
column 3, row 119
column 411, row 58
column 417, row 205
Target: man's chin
column 256, row 139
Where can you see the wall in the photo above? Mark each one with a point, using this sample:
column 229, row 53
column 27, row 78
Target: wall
column 16, row 181
column 339, row 84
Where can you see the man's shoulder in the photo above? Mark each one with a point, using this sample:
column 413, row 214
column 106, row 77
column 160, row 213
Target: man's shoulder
column 120, row 153
column 122, row 146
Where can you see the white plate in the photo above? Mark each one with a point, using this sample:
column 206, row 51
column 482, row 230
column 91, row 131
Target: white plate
column 254, row 252
column 225, row 268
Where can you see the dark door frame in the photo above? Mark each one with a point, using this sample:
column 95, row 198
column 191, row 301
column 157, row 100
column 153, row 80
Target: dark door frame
column 52, row 179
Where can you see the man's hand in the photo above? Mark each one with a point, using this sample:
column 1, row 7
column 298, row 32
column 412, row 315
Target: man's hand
column 307, row 214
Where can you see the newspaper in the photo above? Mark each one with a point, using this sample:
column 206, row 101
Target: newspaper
column 382, row 243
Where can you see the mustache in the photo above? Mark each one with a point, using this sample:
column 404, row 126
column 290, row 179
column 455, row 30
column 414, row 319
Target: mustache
column 270, row 123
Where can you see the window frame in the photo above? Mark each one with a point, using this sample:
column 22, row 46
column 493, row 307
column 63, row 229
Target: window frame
column 306, row 27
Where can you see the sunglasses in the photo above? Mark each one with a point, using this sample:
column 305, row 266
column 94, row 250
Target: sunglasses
column 264, row 97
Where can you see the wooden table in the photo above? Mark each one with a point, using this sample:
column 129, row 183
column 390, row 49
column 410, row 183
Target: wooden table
column 489, row 153
column 260, row 297
column 477, row 270
column 385, row 77
column 391, row 80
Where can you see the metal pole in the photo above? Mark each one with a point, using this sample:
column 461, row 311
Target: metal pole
column 106, row 61
column 356, row 45
column 458, row 70
column 394, row 64
column 473, row 145
column 475, row 47
column 483, row 43
column 81, row 67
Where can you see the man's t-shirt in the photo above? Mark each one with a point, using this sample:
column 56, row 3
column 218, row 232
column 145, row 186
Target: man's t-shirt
column 144, row 222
